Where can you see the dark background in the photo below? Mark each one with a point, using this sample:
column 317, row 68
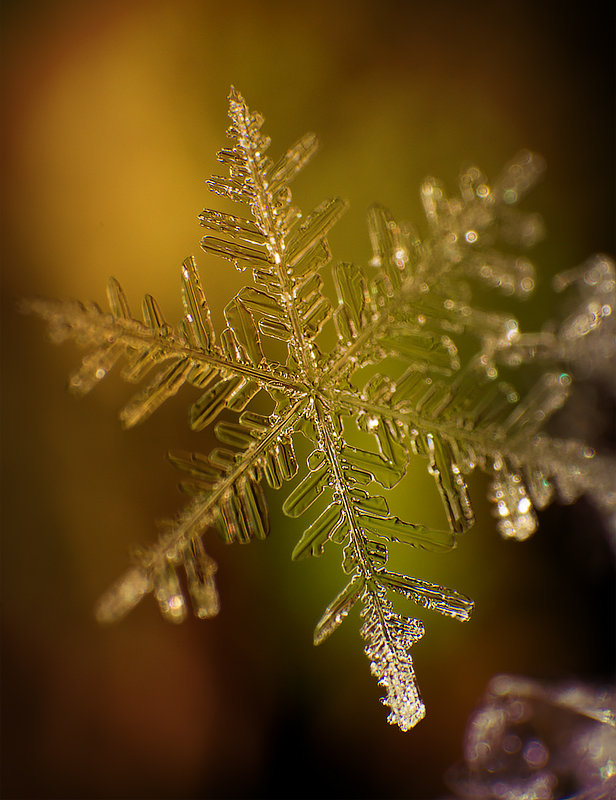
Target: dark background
column 112, row 114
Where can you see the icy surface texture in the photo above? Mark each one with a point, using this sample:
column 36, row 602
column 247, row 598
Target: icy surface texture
column 535, row 741
column 394, row 371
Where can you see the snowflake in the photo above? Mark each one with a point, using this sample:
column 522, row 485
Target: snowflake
column 395, row 372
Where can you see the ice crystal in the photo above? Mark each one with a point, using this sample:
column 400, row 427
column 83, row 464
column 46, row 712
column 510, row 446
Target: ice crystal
column 403, row 315
column 534, row 741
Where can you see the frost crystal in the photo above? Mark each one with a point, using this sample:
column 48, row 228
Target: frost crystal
column 535, row 741
column 395, row 371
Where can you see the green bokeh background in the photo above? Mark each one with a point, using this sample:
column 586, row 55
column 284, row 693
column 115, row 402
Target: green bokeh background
column 112, row 115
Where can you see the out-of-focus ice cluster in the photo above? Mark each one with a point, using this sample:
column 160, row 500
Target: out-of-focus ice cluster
column 530, row 740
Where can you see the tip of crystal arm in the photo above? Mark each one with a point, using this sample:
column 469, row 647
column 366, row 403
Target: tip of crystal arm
column 122, row 597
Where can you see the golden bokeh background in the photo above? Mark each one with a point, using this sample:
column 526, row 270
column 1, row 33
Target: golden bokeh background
column 112, row 115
